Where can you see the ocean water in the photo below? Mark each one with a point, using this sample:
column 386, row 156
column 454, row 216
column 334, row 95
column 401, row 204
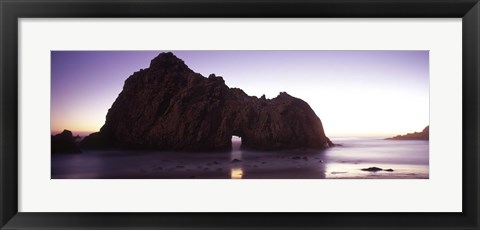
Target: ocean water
column 407, row 159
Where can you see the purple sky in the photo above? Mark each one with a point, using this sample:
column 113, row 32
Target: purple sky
column 355, row 93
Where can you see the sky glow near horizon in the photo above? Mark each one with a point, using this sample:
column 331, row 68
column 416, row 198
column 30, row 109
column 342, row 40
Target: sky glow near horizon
column 354, row 93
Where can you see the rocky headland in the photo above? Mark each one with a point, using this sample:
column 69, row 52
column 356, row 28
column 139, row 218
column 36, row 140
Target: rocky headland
column 424, row 135
column 167, row 106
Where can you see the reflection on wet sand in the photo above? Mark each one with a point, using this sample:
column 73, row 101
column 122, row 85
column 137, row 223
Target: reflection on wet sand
column 236, row 173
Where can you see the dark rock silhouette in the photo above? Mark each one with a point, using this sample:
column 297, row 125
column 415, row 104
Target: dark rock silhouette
column 169, row 107
column 372, row 169
column 235, row 160
column 424, row 135
column 64, row 143
column 376, row 169
column 97, row 140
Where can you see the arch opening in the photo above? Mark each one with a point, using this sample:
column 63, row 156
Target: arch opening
column 236, row 142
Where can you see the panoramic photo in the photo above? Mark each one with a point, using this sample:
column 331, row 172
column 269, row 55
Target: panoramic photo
column 240, row 114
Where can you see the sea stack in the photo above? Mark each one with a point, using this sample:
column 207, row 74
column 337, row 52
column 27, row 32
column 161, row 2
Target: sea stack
column 64, row 142
column 170, row 107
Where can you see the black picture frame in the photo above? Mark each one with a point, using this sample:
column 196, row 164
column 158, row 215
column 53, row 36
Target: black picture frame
column 12, row 10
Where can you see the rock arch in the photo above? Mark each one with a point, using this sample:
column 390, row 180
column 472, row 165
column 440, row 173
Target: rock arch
column 169, row 107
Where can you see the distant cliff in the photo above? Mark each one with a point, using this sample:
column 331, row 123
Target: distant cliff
column 424, row 135
column 169, row 107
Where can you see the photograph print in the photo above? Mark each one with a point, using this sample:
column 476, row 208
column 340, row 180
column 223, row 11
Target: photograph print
column 240, row 114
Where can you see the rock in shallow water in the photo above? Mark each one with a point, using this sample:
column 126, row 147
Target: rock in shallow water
column 372, row 169
column 169, row 107
column 64, row 143
column 376, row 169
column 235, row 160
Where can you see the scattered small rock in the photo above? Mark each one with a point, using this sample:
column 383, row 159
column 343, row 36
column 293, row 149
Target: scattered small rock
column 236, row 160
column 305, row 158
column 320, row 161
column 388, row 170
column 180, row 166
column 296, row 158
